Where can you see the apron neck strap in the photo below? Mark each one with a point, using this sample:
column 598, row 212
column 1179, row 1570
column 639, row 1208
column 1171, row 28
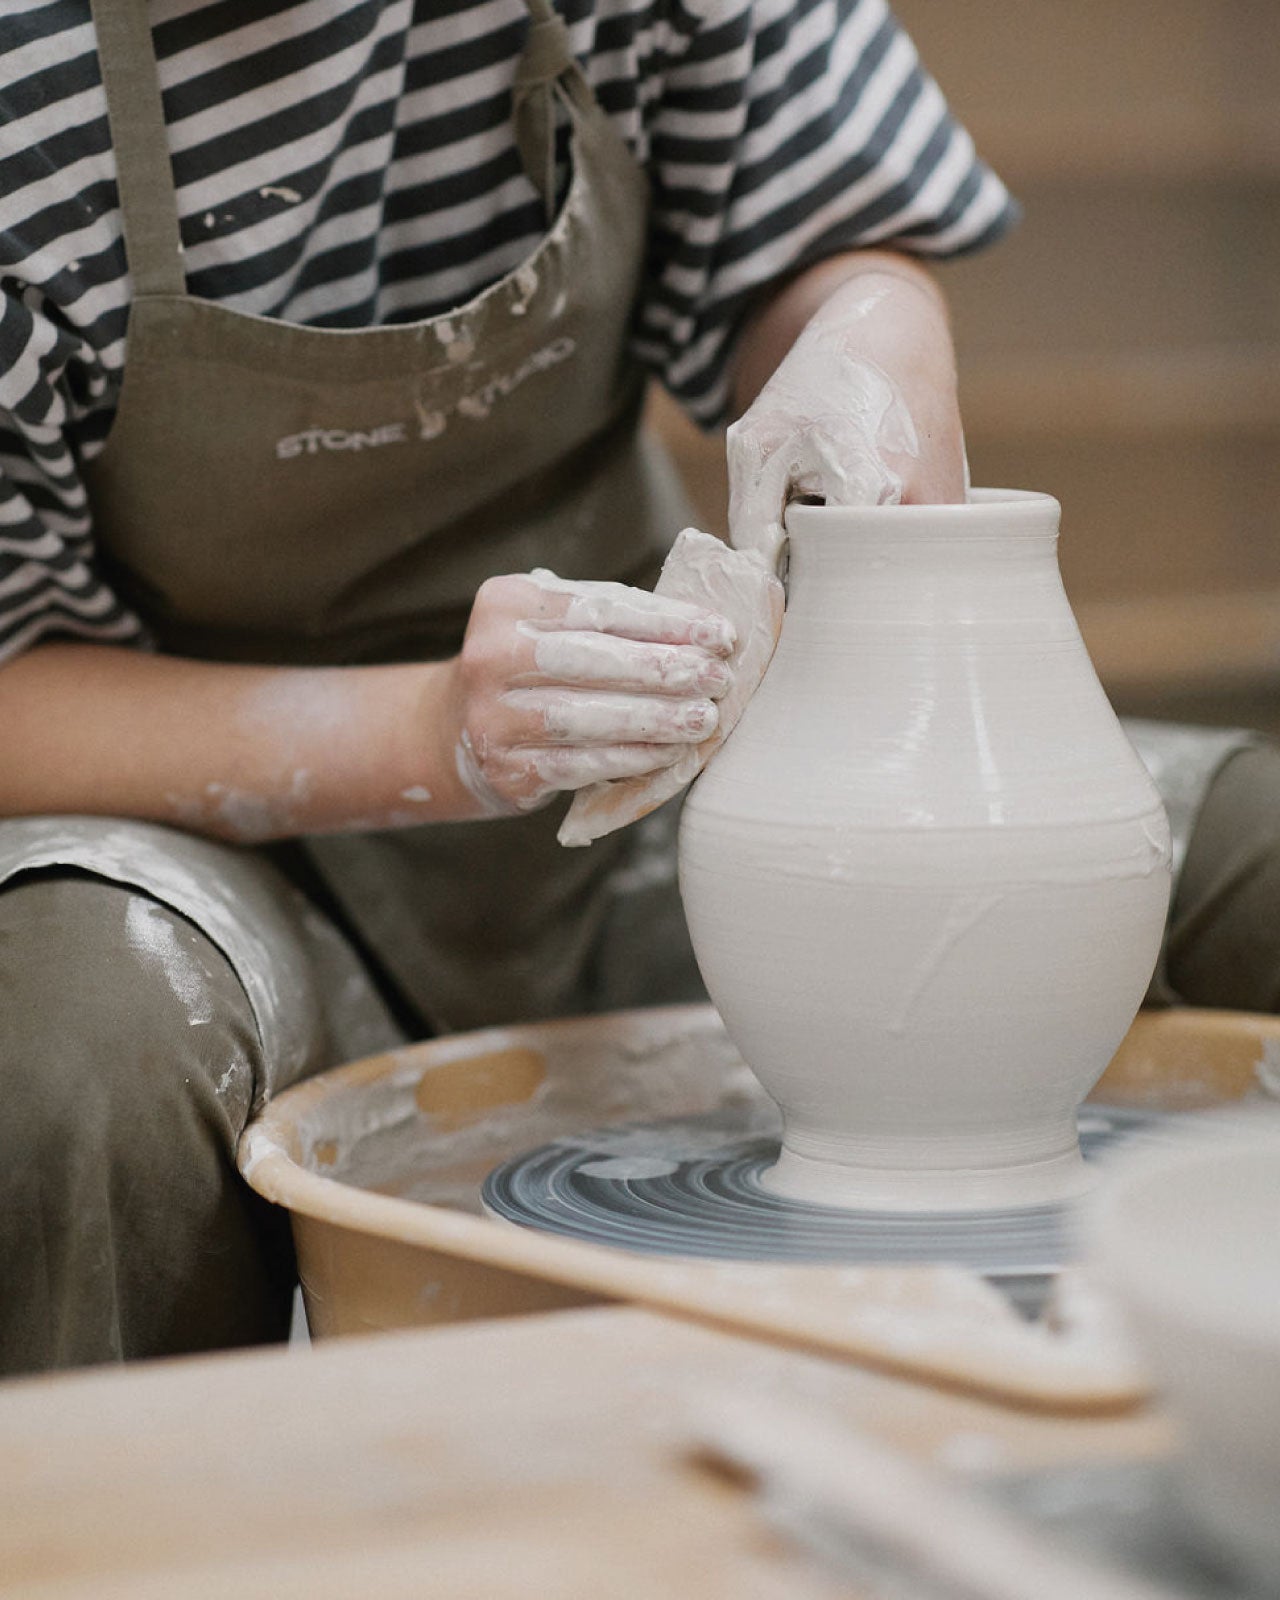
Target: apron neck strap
column 548, row 69
column 144, row 174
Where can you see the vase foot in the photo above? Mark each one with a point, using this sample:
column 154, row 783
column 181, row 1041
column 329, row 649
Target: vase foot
column 859, row 1187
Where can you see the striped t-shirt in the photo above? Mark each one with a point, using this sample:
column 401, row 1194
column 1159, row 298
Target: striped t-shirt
column 346, row 163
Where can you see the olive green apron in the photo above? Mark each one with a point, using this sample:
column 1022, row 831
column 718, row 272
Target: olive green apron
column 278, row 493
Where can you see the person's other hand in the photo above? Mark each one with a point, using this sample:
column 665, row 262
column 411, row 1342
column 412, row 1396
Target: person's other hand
column 862, row 410
column 561, row 684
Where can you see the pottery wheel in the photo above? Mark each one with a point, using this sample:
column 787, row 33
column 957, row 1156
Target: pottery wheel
column 692, row 1187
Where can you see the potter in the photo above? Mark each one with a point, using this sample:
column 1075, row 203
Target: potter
column 926, row 877
column 387, row 519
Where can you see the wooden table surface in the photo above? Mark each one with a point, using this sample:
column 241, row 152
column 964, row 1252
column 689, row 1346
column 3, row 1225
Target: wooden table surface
column 535, row 1456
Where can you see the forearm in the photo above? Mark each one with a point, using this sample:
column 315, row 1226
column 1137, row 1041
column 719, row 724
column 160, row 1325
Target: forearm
column 238, row 752
column 879, row 281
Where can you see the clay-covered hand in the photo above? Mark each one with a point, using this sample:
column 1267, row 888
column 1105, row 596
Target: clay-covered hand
column 862, row 410
column 562, row 684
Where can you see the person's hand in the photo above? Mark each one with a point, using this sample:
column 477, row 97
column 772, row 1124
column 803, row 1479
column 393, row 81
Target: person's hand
column 862, row 410
column 562, row 684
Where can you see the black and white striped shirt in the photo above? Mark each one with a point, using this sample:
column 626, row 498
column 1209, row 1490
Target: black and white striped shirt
column 346, row 163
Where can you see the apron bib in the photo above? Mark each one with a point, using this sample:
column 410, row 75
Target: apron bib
column 278, row 493
column 285, row 494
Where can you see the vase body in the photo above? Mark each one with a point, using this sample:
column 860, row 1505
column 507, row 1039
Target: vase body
column 926, row 877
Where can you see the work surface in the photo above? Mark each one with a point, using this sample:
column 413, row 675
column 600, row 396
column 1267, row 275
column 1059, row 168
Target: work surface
column 541, row 1456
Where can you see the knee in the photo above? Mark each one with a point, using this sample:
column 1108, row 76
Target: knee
column 121, row 1026
column 1224, row 929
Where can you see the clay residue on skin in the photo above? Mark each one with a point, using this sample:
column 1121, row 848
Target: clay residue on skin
column 836, row 454
column 242, row 815
column 571, row 768
column 468, row 763
column 823, row 426
column 539, row 772
column 739, row 585
column 576, row 719
column 247, row 817
column 584, row 709
column 634, row 613
column 585, row 658
column 287, row 713
column 290, row 702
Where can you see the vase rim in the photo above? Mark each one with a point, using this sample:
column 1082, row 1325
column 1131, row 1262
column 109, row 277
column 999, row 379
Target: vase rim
column 986, row 511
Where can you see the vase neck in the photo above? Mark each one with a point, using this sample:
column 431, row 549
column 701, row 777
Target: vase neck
column 917, row 570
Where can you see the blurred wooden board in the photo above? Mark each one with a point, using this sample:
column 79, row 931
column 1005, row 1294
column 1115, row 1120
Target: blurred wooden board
column 545, row 1457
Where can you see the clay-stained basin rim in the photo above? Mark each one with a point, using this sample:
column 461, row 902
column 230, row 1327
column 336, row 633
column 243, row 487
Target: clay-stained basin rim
column 1180, row 1060
column 270, row 1154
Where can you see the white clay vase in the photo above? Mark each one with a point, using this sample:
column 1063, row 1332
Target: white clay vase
column 927, row 875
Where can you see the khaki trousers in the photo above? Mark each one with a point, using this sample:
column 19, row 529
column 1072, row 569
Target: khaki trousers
column 130, row 1059
column 132, row 1056
column 1223, row 942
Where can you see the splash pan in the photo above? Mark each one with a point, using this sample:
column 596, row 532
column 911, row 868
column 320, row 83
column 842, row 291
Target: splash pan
column 382, row 1165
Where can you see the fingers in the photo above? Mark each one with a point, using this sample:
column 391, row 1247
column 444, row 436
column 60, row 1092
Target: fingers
column 761, row 476
column 507, row 781
column 603, row 661
column 541, row 741
column 562, row 684
column 575, row 769
column 826, row 458
column 617, row 609
column 823, row 426
column 554, row 716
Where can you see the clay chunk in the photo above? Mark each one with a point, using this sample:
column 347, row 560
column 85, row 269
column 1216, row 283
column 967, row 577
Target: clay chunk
column 740, row 585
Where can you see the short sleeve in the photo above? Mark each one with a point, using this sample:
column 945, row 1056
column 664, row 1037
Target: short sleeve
column 48, row 585
column 786, row 131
